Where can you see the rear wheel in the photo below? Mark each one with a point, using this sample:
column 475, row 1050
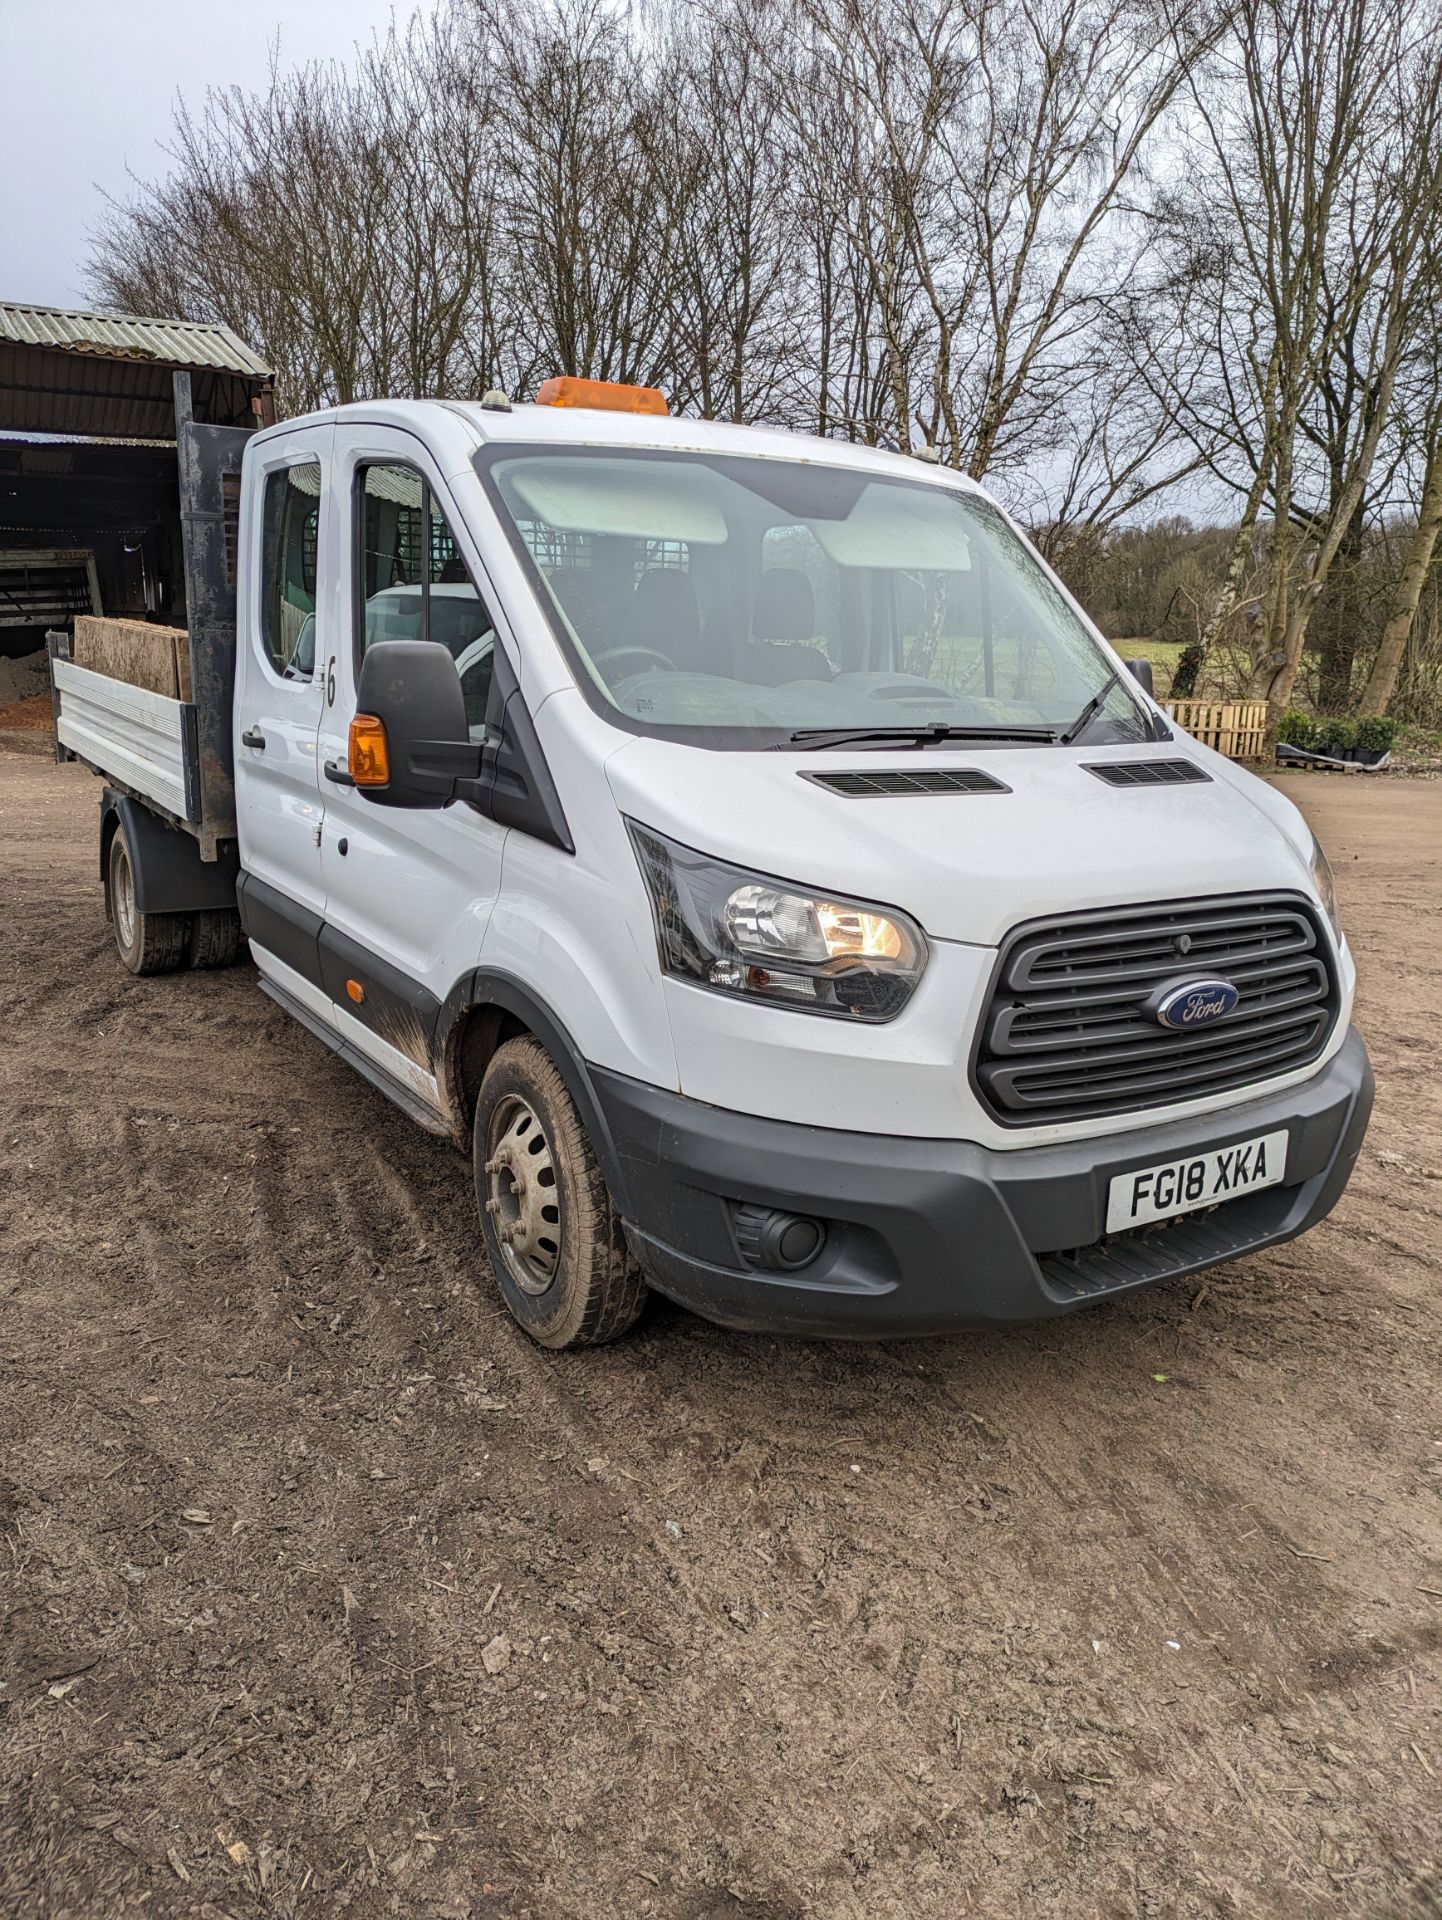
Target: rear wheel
column 147, row 942
column 554, row 1238
column 214, row 937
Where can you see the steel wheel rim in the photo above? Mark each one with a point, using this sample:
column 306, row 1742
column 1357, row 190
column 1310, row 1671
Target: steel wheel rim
column 523, row 1198
column 123, row 904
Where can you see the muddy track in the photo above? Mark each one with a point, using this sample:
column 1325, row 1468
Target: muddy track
column 997, row 1626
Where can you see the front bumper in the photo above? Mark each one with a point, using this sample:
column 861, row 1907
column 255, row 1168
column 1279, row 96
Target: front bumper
column 927, row 1236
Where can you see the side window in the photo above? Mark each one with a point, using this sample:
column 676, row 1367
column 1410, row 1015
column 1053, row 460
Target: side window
column 412, row 584
column 290, row 520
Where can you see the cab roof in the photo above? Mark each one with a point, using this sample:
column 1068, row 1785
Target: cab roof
column 465, row 426
column 572, row 426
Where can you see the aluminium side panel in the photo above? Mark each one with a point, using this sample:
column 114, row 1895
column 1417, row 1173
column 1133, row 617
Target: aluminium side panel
column 141, row 740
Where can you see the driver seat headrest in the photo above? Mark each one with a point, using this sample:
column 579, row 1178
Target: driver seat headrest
column 667, row 617
column 785, row 606
column 783, row 624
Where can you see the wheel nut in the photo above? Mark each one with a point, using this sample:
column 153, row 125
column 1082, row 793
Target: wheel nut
column 495, row 1164
column 493, row 1206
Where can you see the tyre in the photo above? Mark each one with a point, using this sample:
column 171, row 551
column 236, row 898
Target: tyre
column 214, row 937
column 554, row 1237
column 147, row 942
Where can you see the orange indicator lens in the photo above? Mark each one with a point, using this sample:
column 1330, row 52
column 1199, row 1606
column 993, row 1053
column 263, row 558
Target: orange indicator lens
column 368, row 758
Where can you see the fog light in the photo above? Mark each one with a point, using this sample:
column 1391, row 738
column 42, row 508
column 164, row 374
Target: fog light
column 784, row 1241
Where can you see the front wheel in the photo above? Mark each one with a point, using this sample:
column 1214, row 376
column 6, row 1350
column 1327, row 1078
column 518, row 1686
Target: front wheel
column 554, row 1237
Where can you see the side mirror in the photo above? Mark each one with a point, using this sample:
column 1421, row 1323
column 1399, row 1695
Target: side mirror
column 412, row 689
column 1141, row 672
column 302, row 661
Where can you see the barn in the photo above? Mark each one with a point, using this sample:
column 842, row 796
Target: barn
column 90, row 488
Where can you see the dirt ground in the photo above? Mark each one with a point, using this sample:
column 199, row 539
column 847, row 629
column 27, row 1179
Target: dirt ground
column 24, row 694
column 324, row 1592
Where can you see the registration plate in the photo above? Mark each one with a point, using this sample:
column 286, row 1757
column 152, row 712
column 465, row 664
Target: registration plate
column 1181, row 1186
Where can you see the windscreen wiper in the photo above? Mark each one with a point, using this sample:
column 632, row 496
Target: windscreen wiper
column 1093, row 706
column 920, row 735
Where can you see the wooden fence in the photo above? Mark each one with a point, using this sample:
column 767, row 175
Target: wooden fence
column 1237, row 728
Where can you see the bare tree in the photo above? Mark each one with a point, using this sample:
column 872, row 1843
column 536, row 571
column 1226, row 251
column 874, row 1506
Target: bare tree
column 593, row 256
column 721, row 159
column 1089, row 249
column 343, row 220
column 1320, row 133
column 1381, row 682
column 970, row 158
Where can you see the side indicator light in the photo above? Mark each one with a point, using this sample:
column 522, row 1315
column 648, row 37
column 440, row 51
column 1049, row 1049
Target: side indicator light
column 367, row 755
column 567, row 390
column 356, row 991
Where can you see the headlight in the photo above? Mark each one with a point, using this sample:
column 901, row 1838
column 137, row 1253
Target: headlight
column 1326, row 887
column 737, row 932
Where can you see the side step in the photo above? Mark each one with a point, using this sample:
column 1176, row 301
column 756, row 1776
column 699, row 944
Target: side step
column 409, row 1103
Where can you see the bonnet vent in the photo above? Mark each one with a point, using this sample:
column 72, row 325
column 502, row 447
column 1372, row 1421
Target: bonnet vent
column 865, row 786
column 1149, row 773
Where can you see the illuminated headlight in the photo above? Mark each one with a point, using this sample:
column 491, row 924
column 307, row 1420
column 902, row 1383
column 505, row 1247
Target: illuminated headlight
column 738, row 932
column 1326, row 887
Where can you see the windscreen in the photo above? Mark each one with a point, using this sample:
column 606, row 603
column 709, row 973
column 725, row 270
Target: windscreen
column 742, row 602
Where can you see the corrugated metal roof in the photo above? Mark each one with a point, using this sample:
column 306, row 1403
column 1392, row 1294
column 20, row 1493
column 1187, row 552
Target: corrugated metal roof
column 175, row 343
column 112, row 375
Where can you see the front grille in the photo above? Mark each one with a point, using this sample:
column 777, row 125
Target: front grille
column 1066, row 1036
column 861, row 786
column 1148, row 773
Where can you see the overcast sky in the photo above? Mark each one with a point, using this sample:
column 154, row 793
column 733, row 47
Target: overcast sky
column 89, row 88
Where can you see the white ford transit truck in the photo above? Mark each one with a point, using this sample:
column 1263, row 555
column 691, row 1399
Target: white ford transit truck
column 746, row 846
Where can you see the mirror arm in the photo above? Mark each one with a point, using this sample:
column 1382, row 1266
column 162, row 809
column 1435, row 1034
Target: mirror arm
column 458, row 761
column 475, row 793
column 459, row 757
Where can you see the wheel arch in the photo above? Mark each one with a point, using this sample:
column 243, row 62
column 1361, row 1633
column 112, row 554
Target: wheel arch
column 484, row 1010
column 170, row 876
column 109, row 826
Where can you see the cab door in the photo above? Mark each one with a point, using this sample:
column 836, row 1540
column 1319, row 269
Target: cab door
column 407, row 894
column 285, row 620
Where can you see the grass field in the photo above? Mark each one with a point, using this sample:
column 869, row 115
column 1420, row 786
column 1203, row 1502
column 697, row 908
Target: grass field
column 958, row 665
column 1163, row 654
column 1030, row 674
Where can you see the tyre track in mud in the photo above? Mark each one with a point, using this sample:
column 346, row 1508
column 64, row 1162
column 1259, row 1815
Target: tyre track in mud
column 743, row 1679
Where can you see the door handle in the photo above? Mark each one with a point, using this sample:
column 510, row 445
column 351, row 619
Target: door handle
column 341, row 775
column 252, row 737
